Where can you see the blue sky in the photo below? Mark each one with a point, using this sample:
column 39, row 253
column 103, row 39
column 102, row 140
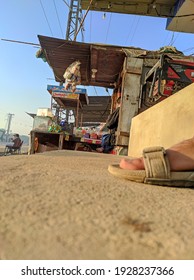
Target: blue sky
column 24, row 78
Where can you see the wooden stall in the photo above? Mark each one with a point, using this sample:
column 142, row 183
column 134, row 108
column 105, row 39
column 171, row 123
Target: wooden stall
column 69, row 100
column 42, row 141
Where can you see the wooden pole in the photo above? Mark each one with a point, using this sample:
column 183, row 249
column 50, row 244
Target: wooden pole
column 81, row 119
column 77, row 112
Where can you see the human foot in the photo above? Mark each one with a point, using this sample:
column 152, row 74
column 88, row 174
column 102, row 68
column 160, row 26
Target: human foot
column 180, row 156
column 132, row 164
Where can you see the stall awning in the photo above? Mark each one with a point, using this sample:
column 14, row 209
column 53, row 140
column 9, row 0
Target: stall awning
column 92, row 109
column 157, row 8
column 97, row 111
column 67, row 99
column 100, row 64
column 180, row 13
column 32, row 115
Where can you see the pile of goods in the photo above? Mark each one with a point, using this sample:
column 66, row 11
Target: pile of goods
column 90, row 132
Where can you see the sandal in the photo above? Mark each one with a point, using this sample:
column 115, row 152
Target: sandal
column 157, row 171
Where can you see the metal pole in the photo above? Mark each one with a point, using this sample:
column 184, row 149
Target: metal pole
column 77, row 112
column 8, row 125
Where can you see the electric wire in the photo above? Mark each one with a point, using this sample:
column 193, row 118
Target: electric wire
column 66, row 4
column 172, row 38
column 189, row 49
column 106, row 89
column 106, row 110
column 90, row 26
column 108, row 27
column 166, row 38
column 177, row 35
column 95, row 91
column 135, row 29
column 130, row 29
column 58, row 18
column 46, row 17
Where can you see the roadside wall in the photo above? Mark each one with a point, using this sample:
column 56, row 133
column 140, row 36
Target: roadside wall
column 164, row 124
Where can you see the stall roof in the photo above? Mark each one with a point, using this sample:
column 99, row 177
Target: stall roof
column 31, row 114
column 97, row 110
column 67, row 99
column 179, row 13
column 106, row 59
column 157, row 8
column 93, row 109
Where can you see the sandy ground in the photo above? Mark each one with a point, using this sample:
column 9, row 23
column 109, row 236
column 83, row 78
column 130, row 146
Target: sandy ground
column 65, row 205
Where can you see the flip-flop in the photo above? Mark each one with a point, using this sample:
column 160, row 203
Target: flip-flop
column 157, row 171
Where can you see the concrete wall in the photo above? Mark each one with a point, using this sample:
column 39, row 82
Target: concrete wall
column 164, row 124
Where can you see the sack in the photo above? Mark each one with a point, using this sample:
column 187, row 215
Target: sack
column 107, row 142
column 72, row 76
column 112, row 121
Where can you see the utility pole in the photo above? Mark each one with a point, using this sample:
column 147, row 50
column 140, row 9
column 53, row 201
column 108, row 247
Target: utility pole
column 9, row 120
column 74, row 20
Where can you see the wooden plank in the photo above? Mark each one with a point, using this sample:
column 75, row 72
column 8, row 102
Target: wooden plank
column 32, row 138
column 61, row 137
column 130, row 98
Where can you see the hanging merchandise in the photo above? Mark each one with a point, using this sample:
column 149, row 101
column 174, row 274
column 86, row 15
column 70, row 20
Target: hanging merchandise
column 40, row 54
column 72, row 76
column 54, row 128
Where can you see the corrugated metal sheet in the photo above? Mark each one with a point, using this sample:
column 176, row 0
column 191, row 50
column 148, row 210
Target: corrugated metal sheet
column 106, row 59
column 97, row 110
column 31, row 114
column 61, row 53
column 65, row 100
column 157, row 8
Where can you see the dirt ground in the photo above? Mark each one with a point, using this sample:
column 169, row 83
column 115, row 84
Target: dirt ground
column 65, row 205
column 24, row 149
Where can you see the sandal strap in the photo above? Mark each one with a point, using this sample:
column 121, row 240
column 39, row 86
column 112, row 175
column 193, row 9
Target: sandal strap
column 156, row 163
